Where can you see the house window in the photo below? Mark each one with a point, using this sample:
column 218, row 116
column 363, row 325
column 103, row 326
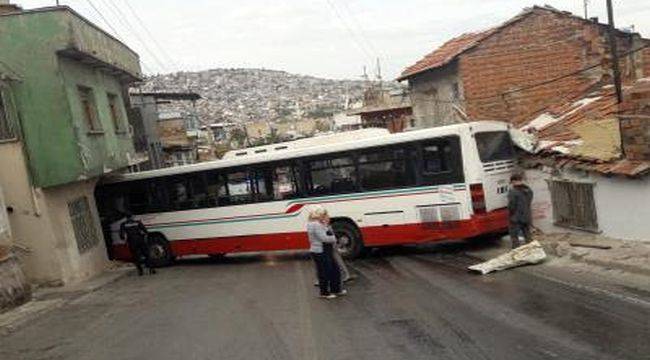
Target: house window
column 6, row 126
column 116, row 113
column 89, row 109
column 83, row 224
column 455, row 91
column 573, row 204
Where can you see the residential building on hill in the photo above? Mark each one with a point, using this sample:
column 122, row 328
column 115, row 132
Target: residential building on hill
column 548, row 73
column 385, row 108
column 63, row 124
column 514, row 71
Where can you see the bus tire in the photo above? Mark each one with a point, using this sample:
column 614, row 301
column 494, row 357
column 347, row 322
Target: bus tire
column 160, row 252
column 350, row 242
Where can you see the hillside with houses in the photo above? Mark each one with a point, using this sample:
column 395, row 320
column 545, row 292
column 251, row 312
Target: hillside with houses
column 243, row 95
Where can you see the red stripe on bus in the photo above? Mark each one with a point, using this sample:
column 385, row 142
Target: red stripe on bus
column 293, row 208
column 415, row 233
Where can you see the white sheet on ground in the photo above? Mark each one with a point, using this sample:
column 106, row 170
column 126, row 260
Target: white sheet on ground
column 531, row 253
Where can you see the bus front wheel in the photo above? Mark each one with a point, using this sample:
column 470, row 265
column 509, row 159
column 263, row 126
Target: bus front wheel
column 349, row 241
column 160, row 253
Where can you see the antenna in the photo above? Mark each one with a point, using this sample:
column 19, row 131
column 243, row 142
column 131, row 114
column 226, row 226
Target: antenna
column 378, row 70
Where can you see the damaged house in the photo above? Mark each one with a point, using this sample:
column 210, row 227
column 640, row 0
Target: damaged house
column 63, row 124
column 548, row 73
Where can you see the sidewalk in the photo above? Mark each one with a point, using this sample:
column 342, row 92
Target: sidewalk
column 45, row 300
column 609, row 254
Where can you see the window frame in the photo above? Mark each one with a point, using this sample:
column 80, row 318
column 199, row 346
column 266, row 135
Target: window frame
column 88, row 105
column 10, row 131
column 117, row 117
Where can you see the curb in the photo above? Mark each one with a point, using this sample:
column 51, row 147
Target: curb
column 615, row 265
column 47, row 300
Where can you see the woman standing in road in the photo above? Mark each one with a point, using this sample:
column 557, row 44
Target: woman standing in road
column 321, row 246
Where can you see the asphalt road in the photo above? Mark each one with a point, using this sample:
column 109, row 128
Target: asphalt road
column 404, row 305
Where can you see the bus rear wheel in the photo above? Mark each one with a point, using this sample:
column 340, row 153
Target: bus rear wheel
column 349, row 241
column 160, row 253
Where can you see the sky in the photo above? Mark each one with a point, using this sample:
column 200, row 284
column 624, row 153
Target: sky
column 324, row 38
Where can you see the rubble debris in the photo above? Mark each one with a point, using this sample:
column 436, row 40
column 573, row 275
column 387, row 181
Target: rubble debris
column 531, row 253
column 590, row 245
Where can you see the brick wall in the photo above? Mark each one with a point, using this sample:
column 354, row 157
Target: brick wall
column 635, row 135
column 646, row 62
column 540, row 47
column 635, row 123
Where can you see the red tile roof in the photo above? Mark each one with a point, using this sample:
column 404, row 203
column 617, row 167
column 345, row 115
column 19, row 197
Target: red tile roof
column 557, row 138
column 446, row 53
column 458, row 45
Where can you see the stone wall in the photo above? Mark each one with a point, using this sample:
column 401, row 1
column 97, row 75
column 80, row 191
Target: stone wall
column 434, row 94
column 14, row 289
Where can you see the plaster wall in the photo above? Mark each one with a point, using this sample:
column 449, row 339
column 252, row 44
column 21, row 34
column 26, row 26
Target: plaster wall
column 621, row 203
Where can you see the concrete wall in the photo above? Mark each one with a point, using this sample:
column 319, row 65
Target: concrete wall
column 41, row 226
column 31, row 224
column 621, row 203
column 108, row 150
column 75, row 266
column 433, row 98
column 30, row 45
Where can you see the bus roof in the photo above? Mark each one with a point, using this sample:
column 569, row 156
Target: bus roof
column 350, row 144
column 329, row 139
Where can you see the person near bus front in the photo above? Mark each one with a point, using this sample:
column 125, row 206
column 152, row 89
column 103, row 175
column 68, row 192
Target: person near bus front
column 520, row 199
column 346, row 276
column 321, row 246
column 135, row 234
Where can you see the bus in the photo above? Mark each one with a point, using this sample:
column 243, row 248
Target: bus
column 380, row 189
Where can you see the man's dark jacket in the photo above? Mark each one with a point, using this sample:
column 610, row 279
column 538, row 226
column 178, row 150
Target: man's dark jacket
column 520, row 198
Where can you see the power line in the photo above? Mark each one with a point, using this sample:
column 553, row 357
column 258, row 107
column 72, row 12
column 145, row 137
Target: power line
column 125, row 22
column 361, row 29
column 104, row 19
column 150, row 34
column 350, row 31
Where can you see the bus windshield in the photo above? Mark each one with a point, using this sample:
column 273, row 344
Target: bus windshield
column 494, row 146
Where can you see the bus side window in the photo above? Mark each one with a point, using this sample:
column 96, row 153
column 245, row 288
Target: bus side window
column 262, row 181
column 386, row 168
column 239, row 188
column 137, row 198
column 216, row 189
column 441, row 161
column 158, row 196
column 179, row 193
column 331, row 176
column 285, row 182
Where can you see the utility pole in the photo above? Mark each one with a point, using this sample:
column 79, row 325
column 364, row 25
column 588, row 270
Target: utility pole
column 614, row 51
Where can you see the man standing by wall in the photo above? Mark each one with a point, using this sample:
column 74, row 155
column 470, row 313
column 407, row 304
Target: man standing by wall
column 520, row 198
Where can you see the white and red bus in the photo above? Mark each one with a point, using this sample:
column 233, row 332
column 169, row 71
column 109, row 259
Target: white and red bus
column 381, row 189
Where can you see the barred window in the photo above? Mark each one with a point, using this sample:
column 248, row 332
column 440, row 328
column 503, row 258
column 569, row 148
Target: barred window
column 83, row 224
column 573, row 205
column 6, row 126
